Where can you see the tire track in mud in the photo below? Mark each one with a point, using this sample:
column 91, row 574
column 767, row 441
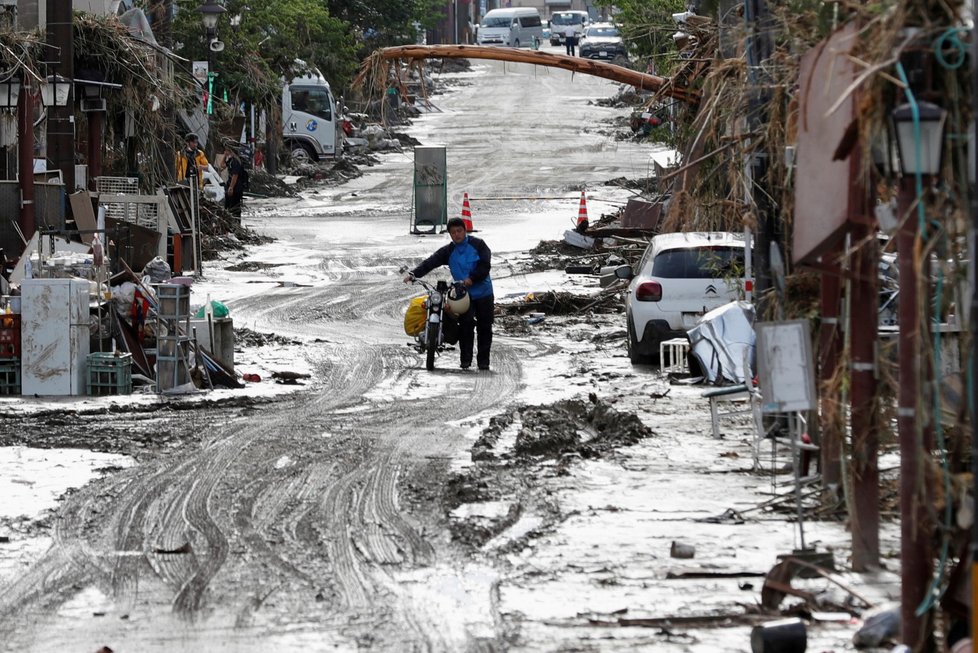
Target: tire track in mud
column 332, row 516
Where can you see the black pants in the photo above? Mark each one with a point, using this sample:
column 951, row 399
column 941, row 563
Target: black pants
column 478, row 319
column 570, row 42
column 232, row 202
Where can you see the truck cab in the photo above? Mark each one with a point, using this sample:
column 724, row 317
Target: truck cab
column 309, row 118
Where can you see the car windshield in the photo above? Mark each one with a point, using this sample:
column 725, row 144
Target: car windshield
column 699, row 263
column 496, row 21
column 602, row 31
column 566, row 19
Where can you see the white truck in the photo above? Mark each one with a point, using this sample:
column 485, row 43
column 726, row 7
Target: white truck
column 309, row 118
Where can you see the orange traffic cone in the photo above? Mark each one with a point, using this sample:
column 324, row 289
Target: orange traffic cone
column 582, row 212
column 466, row 212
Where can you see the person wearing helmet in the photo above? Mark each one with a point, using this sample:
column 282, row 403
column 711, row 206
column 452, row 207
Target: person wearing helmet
column 469, row 259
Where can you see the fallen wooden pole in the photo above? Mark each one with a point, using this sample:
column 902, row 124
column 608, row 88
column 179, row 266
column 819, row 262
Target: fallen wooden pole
column 641, row 81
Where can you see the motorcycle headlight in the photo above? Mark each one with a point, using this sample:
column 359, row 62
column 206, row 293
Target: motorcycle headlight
column 435, row 298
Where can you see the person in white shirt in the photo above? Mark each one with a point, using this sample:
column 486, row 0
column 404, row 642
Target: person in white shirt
column 570, row 40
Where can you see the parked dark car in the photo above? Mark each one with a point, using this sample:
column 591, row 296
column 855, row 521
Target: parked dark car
column 602, row 41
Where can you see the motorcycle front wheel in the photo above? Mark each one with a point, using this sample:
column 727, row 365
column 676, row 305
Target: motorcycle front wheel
column 431, row 344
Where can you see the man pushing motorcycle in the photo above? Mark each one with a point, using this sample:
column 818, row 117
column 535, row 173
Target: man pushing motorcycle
column 469, row 260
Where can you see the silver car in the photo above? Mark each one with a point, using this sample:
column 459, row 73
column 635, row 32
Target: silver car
column 680, row 277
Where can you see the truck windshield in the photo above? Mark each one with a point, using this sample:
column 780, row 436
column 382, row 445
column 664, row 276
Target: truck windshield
column 496, row 21
column 566, row 19
column 314, row 101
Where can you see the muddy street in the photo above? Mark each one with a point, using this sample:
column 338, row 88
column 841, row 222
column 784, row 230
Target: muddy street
column 350, row 515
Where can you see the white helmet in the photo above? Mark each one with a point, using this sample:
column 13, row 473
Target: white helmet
column 457, row 301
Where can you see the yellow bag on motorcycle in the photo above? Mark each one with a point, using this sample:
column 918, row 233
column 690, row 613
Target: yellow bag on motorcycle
column 415, row 317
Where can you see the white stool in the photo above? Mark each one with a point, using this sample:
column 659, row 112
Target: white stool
column 672, row 355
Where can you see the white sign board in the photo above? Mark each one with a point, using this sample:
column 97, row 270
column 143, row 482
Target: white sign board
column 200, row 70
column 786, row 369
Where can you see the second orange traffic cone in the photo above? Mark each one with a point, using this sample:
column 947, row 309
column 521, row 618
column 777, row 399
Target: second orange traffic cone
column 582, row 211
column 466, row 212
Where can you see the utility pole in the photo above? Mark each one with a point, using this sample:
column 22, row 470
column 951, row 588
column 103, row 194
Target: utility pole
column 61, row 120
column 160, row 17
column 973, row 328
column 758, row 23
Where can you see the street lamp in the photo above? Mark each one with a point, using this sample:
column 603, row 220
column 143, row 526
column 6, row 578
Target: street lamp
column 54, row 91
column 210, row 12
column 921, row 141
column 9, row 93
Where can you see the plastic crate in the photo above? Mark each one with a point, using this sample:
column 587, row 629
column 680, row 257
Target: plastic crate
column 109, row 374
column 117, row 185
column 9, row 335
column 9, row 376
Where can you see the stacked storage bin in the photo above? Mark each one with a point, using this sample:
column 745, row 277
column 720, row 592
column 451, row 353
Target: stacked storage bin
column 9, row 354
column 109, row 374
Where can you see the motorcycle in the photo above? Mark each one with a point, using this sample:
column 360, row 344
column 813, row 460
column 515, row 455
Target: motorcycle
column 443, row 302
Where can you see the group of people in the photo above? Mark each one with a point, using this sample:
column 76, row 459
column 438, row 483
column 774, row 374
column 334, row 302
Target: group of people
column 191, row 162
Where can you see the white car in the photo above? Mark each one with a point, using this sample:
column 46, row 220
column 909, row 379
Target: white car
column 681, row 276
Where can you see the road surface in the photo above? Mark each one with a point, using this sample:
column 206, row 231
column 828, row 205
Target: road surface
column 313, row 524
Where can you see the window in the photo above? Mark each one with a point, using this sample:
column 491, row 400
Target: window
column 566, row 18
column 698, row 263
column 495, row 21
column 315, row 101
column 531, row 21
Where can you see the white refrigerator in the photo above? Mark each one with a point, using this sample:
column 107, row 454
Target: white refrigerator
column 55, row 329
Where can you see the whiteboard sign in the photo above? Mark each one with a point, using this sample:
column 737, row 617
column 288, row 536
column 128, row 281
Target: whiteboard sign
column 785, row 366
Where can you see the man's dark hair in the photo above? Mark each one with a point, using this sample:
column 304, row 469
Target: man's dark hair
column 191, row 137
column 456, row 222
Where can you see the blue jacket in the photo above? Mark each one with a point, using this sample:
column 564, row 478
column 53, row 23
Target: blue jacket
column 470, row 259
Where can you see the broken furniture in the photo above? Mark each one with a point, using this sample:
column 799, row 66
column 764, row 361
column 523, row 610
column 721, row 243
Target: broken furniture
column 172, row 336
column 734, row 401
column 672, row 357
column 156, row 215
column 216, row 336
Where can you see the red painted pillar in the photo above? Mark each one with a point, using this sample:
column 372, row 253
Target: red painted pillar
column 829, row 354
column 916, row 561
column 864, row 318
column 95, row 127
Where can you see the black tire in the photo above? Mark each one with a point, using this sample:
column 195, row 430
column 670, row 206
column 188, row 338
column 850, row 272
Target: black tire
column 301, row 154
column 634, row 355
column 431, row 345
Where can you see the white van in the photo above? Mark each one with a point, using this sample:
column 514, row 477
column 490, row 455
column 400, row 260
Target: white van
column 515, row 27
column 561, row 19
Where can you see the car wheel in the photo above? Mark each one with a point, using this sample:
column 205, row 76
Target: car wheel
column 301, row 155
column 634, row 355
